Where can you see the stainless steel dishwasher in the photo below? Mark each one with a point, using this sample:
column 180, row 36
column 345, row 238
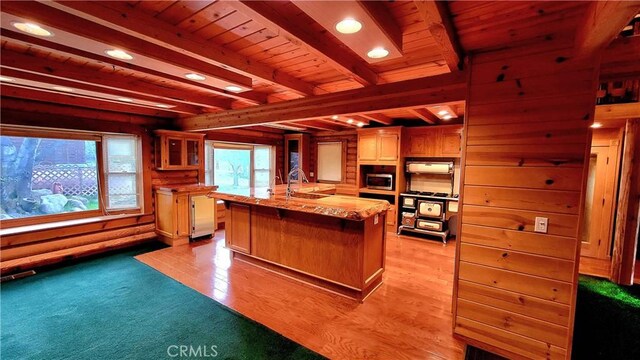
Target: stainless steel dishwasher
column 203, row 216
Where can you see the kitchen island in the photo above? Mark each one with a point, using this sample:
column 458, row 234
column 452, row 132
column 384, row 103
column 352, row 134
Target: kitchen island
column 331, row 241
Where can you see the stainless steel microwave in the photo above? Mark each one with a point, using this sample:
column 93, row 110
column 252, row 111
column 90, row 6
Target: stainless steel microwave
column 380, row 181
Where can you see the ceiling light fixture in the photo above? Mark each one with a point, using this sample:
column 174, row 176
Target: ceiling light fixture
column 443, row 112
column 165, row 106
column 62, row 88
column 194, row 76
column 360, row 124
column 378, row 53
column 596, row 125
column 447, row 117
column 119, row 54
column 350, row 121
column 125, row 99
column 233, row 88
column 348, row 26
column 33, row 29
column 6, row 79
column 334, row 117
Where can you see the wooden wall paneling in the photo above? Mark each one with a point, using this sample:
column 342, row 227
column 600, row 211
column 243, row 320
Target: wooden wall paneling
column 523, row 161
column 626, row 229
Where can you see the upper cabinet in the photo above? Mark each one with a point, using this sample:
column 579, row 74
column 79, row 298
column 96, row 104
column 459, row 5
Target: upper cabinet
column 378, row 145
column 176, row 150
column 436, row 141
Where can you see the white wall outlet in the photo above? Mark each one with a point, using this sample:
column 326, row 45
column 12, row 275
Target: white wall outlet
column 311, row 174
column 541, row 224
column 375, row 219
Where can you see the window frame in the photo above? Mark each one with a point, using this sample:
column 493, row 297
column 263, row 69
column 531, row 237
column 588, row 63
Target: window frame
column 47, row 133
column 212, row 145
column 343, row 165
column 138, row 174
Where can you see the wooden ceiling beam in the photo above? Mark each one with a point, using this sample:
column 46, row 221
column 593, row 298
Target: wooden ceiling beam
column 384, row 19
column 380, row 118
column 346, row 62
column 110, row 80
column 136, row 23
column 318, row 124
column 437, row 18
column 409, row 93
column 425, row 115
column 45, row 14
column 252, row 97
column 103, row 92
column 75, row 100
column 617, row 112
column 602, row 22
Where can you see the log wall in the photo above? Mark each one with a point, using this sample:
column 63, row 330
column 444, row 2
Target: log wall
column 526, row 139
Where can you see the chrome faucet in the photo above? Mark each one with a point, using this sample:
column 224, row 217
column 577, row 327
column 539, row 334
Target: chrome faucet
column 301, row 177
column 271, row 190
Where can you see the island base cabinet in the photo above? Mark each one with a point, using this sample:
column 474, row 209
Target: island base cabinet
column 238, row 234
column 344, row 256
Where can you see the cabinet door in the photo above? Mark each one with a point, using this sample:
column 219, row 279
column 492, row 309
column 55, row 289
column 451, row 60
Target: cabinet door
column 416, row 146
column 239, row 228
column 174, row 152
column 388, row 147
column 450, row 144
column 193, row 152
column 182, row 213
column 367, row 147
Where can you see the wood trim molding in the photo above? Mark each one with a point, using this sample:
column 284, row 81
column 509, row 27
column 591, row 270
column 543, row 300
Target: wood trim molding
column 437, row 18
column 417, row 92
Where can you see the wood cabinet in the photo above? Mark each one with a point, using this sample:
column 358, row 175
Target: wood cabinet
column 296, row 154
column 436, row 141
column 378, row 145
column 173, row 212
column 176, row 150
column 238, row 233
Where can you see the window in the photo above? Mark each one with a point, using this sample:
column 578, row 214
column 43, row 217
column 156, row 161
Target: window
column 121, row 172
column 330, row 162
column 238, row 166
column 61, row 175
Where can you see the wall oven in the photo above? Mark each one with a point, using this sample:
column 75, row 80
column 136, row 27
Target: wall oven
column 430, row 209
column 379, row 181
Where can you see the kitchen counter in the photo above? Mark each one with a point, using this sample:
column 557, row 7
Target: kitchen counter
column 310, row 198
column 331, row 241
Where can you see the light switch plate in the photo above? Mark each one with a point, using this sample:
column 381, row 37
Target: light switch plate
column 541, row 224
column 375, row 219
column 311, row 174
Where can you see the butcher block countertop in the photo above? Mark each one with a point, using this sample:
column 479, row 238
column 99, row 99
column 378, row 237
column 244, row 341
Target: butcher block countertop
column 310, row 197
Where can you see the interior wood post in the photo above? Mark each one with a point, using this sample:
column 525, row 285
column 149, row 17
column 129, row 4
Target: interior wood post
column 626, row 230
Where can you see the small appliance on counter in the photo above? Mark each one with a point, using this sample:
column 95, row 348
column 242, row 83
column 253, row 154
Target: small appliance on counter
column 428, row 212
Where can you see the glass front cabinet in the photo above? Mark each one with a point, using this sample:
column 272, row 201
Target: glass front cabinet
column 176, row 150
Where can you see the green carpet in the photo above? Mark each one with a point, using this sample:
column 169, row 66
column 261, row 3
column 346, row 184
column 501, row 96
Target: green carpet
column 607, row 321
column 115, row 307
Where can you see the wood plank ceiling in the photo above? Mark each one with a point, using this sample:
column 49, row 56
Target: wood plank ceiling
column 272, row 51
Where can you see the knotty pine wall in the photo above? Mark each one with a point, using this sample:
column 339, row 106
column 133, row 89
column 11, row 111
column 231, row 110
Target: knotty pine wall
column 350, row 138
column 526, row 134
column 42, row 246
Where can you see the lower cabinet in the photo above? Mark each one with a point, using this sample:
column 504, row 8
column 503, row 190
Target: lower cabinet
column 176, row 217
column 238, row 231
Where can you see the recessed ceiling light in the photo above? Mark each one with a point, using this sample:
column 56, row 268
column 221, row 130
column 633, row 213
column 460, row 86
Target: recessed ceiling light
column 4, row 78
column 348, row 26
column 360, row 124
column 443, row 112
column 378, row 53
column 119, row 54
column 165, row 106
column 125, row 99
column 335, row 117
column 447, row 117
column 33, row 29
column 233, row 88
column 194, row 76
column 596, row 125
column 62, row 88
column 350, row 121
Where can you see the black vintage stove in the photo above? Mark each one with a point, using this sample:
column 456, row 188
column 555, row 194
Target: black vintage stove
column 424, row 212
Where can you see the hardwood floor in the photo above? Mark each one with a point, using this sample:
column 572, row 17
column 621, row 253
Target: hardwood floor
column 408, row 317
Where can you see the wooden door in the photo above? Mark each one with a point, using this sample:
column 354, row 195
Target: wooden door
column 367, row 147
column 599, row 202
column 450, row 143
column 238, row 233
column 416, row 146
column 388, row 147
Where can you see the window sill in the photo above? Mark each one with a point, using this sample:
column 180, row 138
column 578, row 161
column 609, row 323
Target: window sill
column 65, row 223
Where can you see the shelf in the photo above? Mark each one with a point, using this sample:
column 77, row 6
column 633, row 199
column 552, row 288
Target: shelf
column 376, row 191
